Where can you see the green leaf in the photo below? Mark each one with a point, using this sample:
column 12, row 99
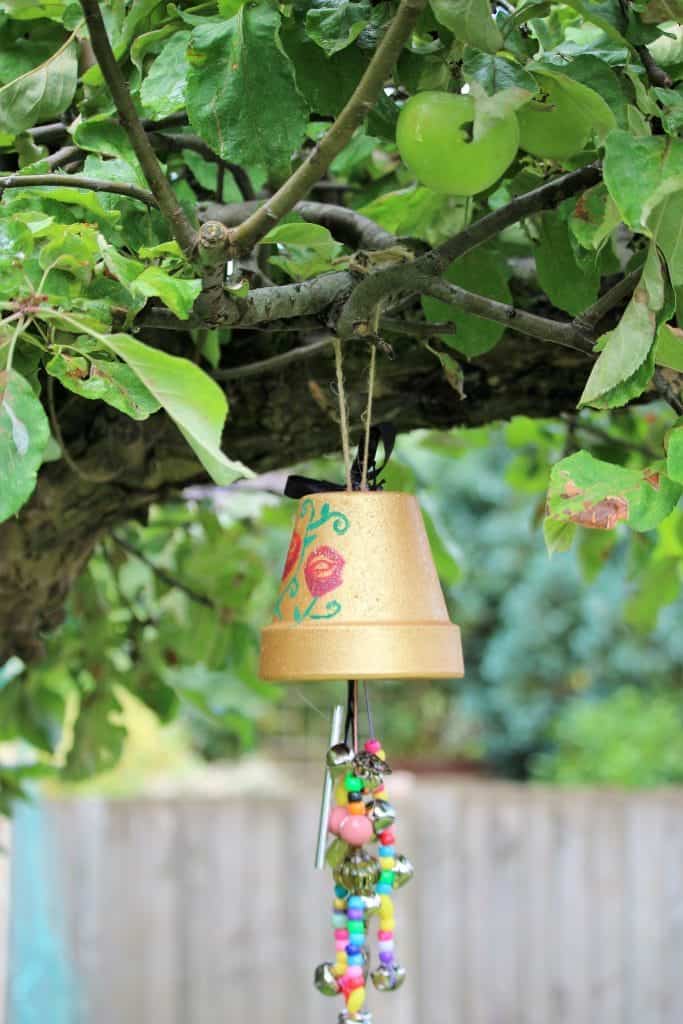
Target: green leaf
column 418, row 212
column 482, row 271
column 41, row 94
column 594, row 218
column 305, row 249
column 599, row 495
column 669, row 348
column 178, row 293
column 241, row 91
column 96, row 378
column 325, row 82
column 674, row 454
column 666, row 224
column 558, row 534
column 587, row 104
column 495, row 73
column 103, row 136
column 635, row 169
column 97, row 741
column 24, row 433
column 334, row 24
column 625, row 349
column 470, row 21
column 163, row 89
column 569, row 286
column 598, row 76
column 192, row 399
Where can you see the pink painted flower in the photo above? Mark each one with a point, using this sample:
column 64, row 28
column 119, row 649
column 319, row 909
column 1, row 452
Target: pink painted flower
column 323, row 571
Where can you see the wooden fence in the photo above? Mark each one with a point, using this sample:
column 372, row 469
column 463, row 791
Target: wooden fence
column 530, row 906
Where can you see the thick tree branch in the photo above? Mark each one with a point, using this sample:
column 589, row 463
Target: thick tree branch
column 151, row 168
column 358, row 107
column 119, row 188
column 347, row 226
column 555, row 331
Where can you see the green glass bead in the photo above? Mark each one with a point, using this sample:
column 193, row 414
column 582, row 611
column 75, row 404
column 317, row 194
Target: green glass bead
column 387, row 876
column 353, row 785
column 356, row 927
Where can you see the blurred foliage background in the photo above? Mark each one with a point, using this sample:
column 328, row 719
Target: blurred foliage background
column 574, row 663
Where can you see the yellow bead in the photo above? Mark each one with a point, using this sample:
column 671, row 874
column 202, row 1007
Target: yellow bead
column 387, row 924
column 340, row 793
column 356, row 1000
column 338, row 970
column 386, row 905
column 340, row 904
column 382, row 754
column 386, row 863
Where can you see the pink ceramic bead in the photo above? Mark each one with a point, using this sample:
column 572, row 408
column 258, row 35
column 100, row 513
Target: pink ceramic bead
column 356, row 830
column 354, row 972
column 373, row 746
column 341, row 933
column 384, row 936
column 341, row 944
column 337, row 815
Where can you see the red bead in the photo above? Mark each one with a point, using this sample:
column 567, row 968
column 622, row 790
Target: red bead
column 373, row 746
column 388, row 837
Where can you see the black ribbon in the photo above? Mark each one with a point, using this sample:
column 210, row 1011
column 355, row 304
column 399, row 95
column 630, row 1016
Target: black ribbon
column 381, row 433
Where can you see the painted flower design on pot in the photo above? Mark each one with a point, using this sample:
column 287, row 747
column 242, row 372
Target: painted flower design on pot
column 292, row 554
column 323, row 571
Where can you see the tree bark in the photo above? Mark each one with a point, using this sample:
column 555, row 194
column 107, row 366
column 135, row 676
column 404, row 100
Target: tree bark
column 276, row 420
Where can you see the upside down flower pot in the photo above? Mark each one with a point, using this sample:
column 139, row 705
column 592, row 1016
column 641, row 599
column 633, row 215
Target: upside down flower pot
column 360, row 597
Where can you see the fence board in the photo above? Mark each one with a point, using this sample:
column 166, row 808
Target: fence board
column 529, row 905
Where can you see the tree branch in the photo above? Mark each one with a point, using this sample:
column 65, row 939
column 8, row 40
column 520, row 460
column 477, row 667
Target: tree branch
column 370, row 292
column 119, row 188
column 557, row 332
column 277, row 362
column 655, row 74
column 359, row 105
column 151, row 168
column 347, row 226
column 179, row 140
column 165, row 577
column 623, row 289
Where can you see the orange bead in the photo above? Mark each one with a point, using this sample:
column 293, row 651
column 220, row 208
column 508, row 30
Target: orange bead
column 356, row 808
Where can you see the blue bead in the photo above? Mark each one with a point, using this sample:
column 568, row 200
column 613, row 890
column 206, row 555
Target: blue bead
column 356, row 901
column 356, row 961
column 384, row 889
column 353, row 949
column 386, row 851
column 340, row 892
column 359, row 940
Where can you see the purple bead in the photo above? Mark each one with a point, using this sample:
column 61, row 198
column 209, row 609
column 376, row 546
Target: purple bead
column 386, row 958
column 355, row 913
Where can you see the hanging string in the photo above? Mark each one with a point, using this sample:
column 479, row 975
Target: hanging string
column 343, row 412
column 368, row 417
column 368, row 710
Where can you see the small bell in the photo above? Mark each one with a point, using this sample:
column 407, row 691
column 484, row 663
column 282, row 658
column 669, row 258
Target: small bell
column 339, row 759
column 371, row 768
column 325, row 981
column 388, row 979
column 403, row 871
column 382, row 815
column 362, row 1017
column 359, row 873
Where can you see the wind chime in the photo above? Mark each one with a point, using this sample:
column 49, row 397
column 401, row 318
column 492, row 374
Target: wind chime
column 360, row 599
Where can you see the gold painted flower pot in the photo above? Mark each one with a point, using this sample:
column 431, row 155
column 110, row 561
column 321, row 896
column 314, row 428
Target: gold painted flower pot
column 360, row 597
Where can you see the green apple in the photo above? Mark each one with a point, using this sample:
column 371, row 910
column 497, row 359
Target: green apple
column 559, row 121
column 435, row 139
